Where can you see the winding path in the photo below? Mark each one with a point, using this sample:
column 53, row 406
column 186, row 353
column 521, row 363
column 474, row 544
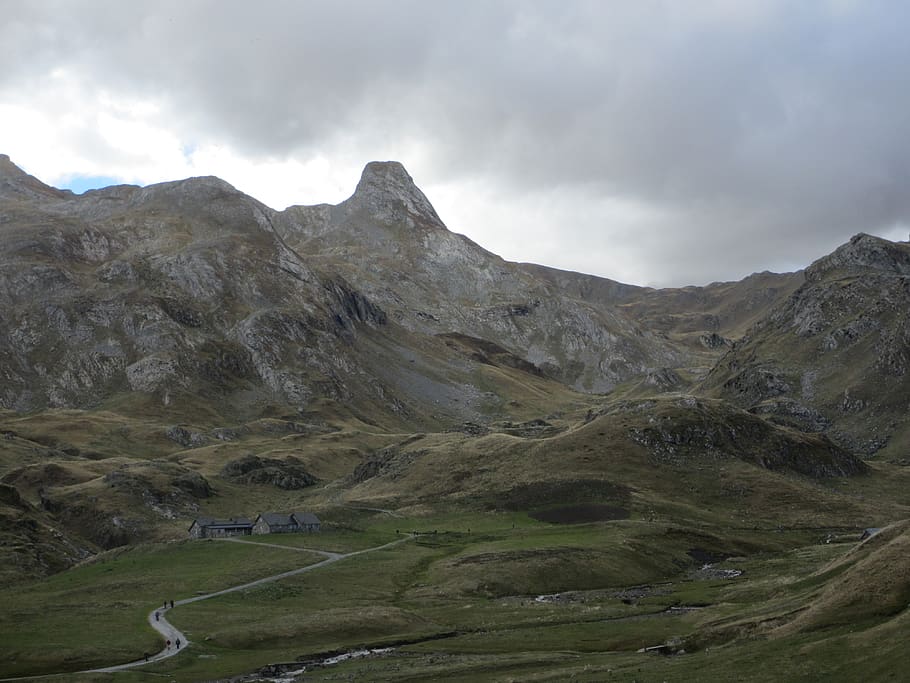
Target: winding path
column 157, row 618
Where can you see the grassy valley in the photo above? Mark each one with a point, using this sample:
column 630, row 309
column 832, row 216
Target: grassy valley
column 521, row 473
column 489, row 596
column 541, row 550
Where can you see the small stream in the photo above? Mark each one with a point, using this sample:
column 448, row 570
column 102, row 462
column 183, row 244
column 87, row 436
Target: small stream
column 287, row 672
column 270, row 674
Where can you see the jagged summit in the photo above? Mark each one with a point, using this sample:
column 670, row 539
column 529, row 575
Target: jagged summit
column 386, row 175
column 388, row 192
column 862, row 254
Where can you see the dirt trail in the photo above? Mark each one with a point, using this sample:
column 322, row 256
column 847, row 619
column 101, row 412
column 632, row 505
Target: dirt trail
column 157, row 618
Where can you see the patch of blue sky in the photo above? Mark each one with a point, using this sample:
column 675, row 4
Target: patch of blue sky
column 83, row 183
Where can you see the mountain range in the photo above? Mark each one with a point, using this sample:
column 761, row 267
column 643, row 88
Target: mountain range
column 139, row 323
column 622, row 453
column 188, row 289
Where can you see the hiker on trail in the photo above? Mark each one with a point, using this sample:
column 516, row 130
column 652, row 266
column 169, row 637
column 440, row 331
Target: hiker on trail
column 178, row 643
column 146, row 655
column 168, row 643
column 172, row 604
column 165, row 604
column 156, row 616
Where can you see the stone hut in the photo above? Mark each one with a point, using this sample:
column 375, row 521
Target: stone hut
column 307, row 521
column 207, row 527
column 274, row 523
column 280, row 523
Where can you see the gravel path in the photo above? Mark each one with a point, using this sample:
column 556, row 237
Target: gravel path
column 157, row 618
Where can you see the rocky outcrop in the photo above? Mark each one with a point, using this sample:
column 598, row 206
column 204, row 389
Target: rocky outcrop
column 171, row 490
column 791, row 413
column 32, row 543
column 288, row 474
column 663, row 379
column 185, row 437
column 689, row 429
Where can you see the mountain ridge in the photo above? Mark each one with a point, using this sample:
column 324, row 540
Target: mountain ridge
column 836, row 353
column 388, row 245
column 189, row 298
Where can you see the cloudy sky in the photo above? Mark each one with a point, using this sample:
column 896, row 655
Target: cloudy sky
column 653, row 142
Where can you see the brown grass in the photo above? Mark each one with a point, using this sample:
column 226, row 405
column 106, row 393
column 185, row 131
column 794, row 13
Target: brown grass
column 874, row 584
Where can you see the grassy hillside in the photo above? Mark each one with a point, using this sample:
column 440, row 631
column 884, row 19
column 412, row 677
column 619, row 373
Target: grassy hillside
column 675, row 521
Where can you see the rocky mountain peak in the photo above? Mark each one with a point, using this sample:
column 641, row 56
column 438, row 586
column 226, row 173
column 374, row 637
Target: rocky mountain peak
column 198, row 188
column 388, row 192
column 861, row 254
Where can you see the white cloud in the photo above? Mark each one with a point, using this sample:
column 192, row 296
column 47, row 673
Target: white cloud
column 650, row 142
column 72, row 125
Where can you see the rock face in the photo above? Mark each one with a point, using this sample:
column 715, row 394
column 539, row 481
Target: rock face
column 701, row 318
column 835, row 355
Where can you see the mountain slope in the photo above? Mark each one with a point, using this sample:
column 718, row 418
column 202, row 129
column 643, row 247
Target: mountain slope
column 152, row 339
column 704, row 317
column 389, row 242
column 132, row 298
column 835, row 355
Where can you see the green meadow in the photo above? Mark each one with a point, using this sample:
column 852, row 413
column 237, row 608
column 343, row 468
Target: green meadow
column 472, row 596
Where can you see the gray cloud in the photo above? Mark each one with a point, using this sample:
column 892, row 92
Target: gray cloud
column 760, row 134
